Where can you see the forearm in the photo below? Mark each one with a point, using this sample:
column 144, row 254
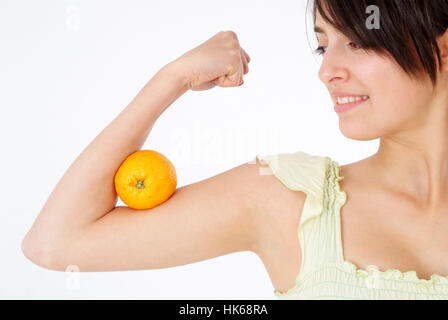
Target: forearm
column 86, row 191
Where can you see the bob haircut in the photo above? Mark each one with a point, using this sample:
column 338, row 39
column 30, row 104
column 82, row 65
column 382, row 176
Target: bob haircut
column 408, row 31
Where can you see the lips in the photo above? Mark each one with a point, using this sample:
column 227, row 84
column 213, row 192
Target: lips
column 340, row 108
column 336, row 94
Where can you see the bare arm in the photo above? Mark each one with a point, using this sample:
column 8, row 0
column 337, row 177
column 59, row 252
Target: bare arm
column 81, row 209
column 86, row 191
column 200, row 221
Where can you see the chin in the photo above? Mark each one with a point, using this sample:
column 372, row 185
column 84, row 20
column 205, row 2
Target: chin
column 356, row 130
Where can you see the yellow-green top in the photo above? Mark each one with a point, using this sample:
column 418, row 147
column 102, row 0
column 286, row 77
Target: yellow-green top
column 324, row 273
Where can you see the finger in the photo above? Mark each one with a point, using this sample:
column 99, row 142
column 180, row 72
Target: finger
column 245, row 65
column 241, row 79
column 220, row 81
column 234, row 79
column 246, row 55
column 240, row 73
column 226, row 81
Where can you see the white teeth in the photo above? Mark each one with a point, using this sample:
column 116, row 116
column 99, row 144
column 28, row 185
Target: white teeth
column 343, row 100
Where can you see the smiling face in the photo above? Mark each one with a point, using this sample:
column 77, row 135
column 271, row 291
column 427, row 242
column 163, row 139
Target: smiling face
column 396, row 101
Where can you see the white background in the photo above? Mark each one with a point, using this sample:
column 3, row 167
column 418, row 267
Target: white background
column 67, row 68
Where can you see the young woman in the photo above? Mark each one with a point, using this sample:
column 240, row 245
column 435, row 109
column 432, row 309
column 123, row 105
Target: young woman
column 373, row 229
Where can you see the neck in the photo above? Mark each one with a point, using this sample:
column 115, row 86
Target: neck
column 417, row 161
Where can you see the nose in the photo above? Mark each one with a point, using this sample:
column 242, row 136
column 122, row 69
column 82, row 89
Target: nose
column 333, row 69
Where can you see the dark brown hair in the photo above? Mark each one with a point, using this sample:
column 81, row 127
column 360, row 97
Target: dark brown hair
column 408, row 31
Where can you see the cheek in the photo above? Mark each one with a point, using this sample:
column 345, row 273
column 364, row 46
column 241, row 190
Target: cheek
column 399, row 101
column 395, row 101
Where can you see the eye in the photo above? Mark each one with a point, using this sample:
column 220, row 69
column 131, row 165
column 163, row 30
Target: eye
column 320, row 50
column 355, row 45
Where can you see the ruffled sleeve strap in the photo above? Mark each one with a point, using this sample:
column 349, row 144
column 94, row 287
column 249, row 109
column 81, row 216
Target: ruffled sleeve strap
column 303, row 172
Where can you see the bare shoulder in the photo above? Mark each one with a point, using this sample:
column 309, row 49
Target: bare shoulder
column 277, row 212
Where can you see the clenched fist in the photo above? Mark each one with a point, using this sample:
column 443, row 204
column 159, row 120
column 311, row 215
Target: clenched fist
column 218, row 61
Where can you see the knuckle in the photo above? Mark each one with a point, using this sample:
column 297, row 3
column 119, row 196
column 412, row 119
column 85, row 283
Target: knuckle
column 232, row 38
column 221, row 35
column 231, row 34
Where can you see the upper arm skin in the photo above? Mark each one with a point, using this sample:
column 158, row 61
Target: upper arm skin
column 206, row 219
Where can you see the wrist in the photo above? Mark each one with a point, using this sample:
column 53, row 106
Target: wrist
column 175, row 72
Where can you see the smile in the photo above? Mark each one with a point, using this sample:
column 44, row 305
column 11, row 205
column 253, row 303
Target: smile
column 343, row 100
column 347, row 103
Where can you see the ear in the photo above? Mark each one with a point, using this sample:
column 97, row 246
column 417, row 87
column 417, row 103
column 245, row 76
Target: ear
column 443, row 46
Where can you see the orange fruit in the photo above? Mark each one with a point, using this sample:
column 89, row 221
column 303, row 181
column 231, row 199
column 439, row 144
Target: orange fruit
column 145, row 179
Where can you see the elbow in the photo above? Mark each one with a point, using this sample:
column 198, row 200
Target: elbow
column 39, row 254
